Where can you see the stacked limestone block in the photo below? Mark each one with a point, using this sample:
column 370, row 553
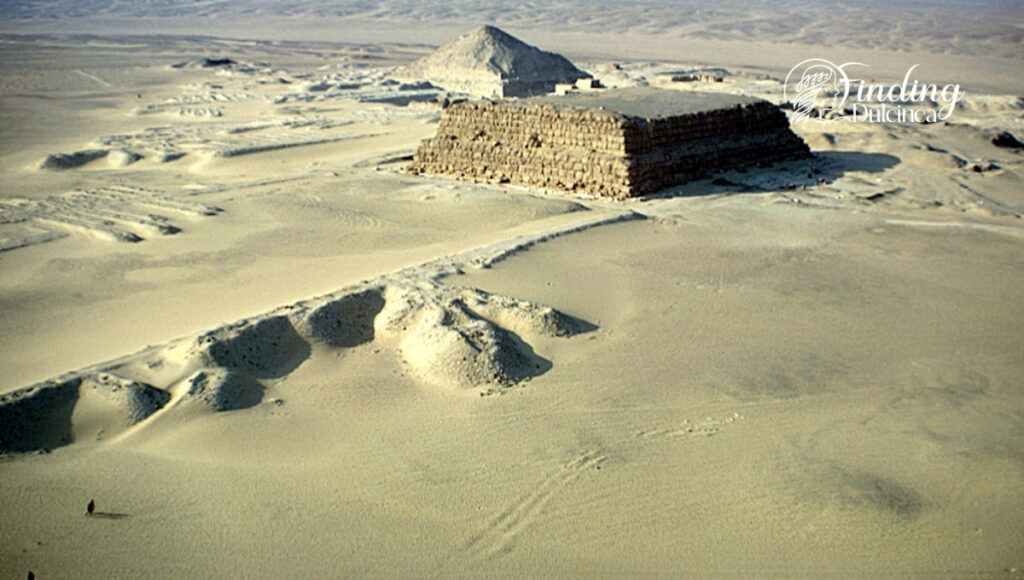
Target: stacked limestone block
column 619, row 144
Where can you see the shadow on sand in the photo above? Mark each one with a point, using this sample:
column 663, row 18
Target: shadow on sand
column 108, row 516
column 820, row 168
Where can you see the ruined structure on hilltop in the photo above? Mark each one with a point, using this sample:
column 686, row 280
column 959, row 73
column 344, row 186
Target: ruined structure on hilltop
column 616, row 143
column 489, row 62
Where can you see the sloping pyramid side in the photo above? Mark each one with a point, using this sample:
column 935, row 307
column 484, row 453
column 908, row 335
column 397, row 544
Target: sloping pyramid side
column 489, row 62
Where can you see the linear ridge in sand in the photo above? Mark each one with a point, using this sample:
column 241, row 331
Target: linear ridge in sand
column 450, row 338
column 115, row 212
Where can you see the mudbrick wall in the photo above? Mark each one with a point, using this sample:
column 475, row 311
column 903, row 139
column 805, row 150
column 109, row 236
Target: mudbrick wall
column 600, row 151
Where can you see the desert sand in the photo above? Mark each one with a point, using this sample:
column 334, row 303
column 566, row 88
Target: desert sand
column 231, row 317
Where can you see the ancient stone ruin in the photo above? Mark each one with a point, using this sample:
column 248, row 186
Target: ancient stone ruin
column 489, row 62
column 616, row 143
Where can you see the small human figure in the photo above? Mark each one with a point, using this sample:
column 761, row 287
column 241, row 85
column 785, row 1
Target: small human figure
column 89, row 509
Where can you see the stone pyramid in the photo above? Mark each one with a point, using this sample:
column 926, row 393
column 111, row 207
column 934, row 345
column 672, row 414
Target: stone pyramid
column 489, row 62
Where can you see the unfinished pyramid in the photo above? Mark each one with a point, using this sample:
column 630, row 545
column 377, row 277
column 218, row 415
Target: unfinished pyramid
column 489, row 62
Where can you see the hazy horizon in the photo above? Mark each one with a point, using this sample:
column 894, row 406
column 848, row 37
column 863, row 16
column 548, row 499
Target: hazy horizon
column 980, row 27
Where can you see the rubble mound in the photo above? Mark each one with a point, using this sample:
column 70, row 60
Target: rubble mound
column 489, row 62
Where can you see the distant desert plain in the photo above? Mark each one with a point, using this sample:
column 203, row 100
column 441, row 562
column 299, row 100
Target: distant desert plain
column 233, row 319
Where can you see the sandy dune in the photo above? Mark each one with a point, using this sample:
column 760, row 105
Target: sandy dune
column 230, row 316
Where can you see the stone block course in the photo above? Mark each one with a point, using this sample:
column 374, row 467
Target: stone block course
column 621, row 143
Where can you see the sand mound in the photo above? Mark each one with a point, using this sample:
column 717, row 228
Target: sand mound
column 345, row 321
column 316, row 86
column 522, row 316
column 169, row 156
column 53, row 414
column 133, row 399
column 218, row 63
column 447, row 344
column 1007, row 140
column 224, row 391
column 467, row 338
column 37, row 417
column 122, row 158
column 490, row 62
column 213, row 62
column 265, row 348
column 72, row 160
column 455, row 338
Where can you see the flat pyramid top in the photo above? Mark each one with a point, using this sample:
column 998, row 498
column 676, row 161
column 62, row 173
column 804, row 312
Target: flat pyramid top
column 641, row 102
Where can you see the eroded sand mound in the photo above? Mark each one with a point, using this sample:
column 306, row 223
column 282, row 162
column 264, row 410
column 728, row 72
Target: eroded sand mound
column 57, row 413
column 133, row 400
column 453, row 338
column 346, row 321
column 72, row 160
column 522, row 316
column 37, row 417
column 466, row 338
column 224, row 391
column 447, row 344
column 456, row 339
column 267, row 347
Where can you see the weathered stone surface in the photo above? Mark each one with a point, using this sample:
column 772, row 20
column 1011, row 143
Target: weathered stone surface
column 619, row 143
column 489, row 62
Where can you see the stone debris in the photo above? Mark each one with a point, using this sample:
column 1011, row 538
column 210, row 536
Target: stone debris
column 701, row 77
